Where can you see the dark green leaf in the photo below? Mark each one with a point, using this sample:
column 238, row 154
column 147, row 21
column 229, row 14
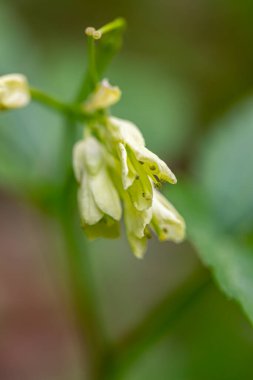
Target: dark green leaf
column 230, row 260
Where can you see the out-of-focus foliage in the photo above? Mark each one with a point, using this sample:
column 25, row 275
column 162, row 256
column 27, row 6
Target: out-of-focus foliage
column 29, row 138
column 184, row 66
column 169, row 119
column 204, row 344
column 224, row 167
column 230, row 259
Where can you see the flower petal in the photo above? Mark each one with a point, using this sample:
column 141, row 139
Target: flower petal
column 105, row 194
column 89, row 212
column 166, row 221
column 104, row 96
column 136, row 221
column 87, row 156
column 79, row 159
column 154, row 166
column 127, row 171
column 126, row 132
column 138, row 246
column 93, row 155
column 141, row 192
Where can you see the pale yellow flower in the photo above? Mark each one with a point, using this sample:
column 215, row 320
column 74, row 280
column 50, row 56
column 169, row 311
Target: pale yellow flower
column 137, row 230
column 114, row 165
column 139, row 166
column 98, row 200
column 167, row 223
column 14, row 91
column 104, row 96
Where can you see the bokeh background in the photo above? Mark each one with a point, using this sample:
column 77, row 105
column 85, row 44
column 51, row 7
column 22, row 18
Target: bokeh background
column 185, row 71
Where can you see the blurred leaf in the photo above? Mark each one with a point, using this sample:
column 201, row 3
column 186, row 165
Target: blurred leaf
column 162, row 107
column 29, row 159
column 224, row 167
column 229, row 259
column 30, row 138
column 210, row 341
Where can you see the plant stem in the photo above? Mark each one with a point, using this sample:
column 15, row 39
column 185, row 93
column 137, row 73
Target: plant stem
column 77, row 257
column 92, row 70
column 118, row 23
column 91, row 77
column 93, row 74
column 73, row 110
column 84, row 298
column 155, row 325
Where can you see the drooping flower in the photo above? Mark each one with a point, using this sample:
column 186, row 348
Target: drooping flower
column 14, row 91
column 167, row 223
column 139, row 166
column 114, row 164
column 98, row 200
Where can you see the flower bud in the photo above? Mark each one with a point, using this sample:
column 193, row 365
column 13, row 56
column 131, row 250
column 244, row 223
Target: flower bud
column 104, row 96
column 14, row 91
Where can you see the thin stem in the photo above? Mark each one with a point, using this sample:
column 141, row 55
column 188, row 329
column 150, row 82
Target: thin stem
column 92, row 61
column 91, row 77
column 156, row 325
column 84, row 297
column 77, row 257
column 93, row 73
column 118, row 23
column 63, row 108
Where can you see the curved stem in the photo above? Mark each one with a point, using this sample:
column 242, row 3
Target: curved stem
column 118, row 23
column 94, row 71
column 73, row 110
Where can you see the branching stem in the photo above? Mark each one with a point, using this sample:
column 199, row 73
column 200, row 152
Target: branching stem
column 74, row 110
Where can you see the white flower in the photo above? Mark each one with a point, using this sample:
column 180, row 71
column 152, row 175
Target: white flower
column 139, row 166
column 104, row 96
column 137, row 227
column 162, row 218
column 14, row 91
column 99, row 202
column 167, row 223
column 120, row 167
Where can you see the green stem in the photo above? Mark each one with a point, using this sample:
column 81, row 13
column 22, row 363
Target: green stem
column 92, row 62
column 118, row 23
column 156, row 325
column 63, row 108
column 77, row 257
column 93, row 74
column 84, row 297
column 91, row 77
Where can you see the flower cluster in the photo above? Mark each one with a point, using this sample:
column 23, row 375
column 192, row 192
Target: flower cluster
column 113, row 168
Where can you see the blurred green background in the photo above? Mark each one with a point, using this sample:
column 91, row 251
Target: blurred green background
column 185, row 72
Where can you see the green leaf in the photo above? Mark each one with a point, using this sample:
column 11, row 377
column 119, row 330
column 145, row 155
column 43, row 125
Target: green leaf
column 224, row 167
column 230, row 260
